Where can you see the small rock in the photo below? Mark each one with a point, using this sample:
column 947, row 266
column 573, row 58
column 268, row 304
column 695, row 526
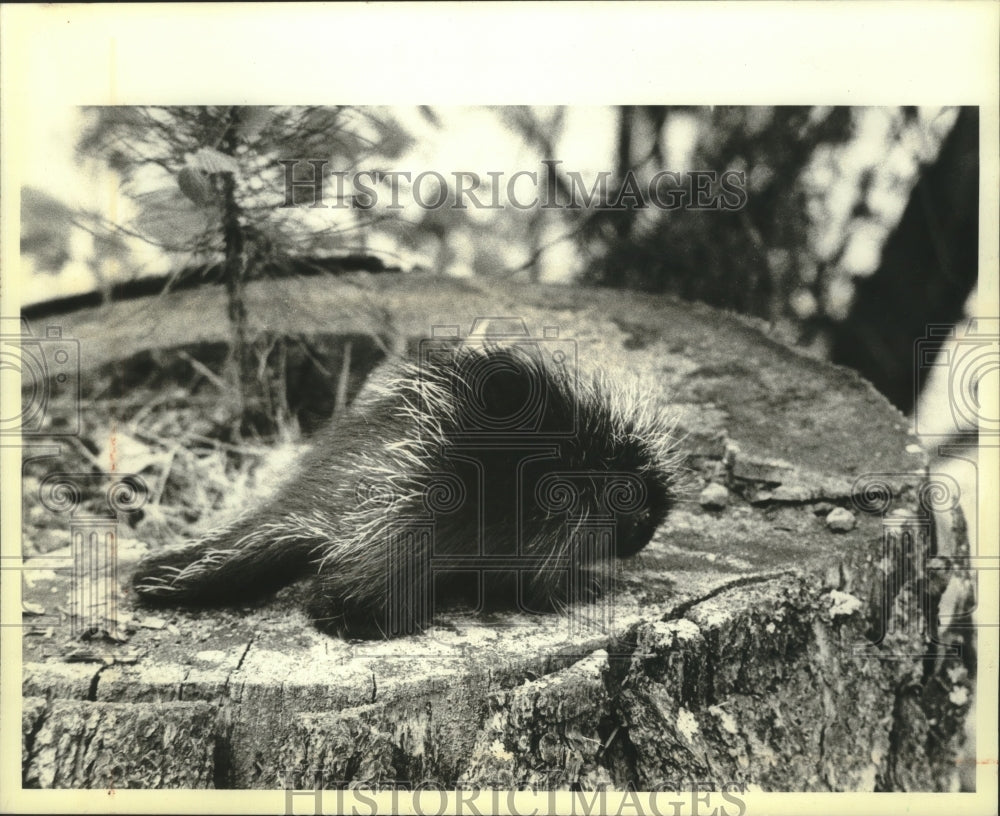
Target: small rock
column 725, row 719
column 843, row 604
column 959, row 696
column 118, row 634
column 715, row 497
column 841, row 520
column 152, row 623
column 792, row 493
column 687, row 724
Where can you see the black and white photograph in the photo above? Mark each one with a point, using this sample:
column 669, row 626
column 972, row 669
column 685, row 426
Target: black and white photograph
column 491, row 427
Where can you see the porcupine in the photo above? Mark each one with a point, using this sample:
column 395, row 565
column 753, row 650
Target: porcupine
column 512, row 456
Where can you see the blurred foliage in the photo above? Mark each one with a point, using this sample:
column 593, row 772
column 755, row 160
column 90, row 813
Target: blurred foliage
column 163, row 156
column 742, row 259
column 46, row 225
column 826, row 190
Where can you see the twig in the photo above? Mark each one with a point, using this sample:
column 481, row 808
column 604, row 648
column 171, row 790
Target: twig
column 204, row 370
column 340, row 399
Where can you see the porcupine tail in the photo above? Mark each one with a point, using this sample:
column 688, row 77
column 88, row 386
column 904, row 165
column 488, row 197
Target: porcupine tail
column 247, row 559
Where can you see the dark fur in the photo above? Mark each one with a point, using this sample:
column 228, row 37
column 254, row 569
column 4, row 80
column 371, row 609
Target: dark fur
column 382, row 470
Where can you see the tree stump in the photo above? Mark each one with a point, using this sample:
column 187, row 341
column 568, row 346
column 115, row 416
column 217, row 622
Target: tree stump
column 785, row 630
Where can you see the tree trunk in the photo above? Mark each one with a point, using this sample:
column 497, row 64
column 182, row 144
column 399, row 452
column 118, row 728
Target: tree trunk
column 929, row 265
column 248, row 367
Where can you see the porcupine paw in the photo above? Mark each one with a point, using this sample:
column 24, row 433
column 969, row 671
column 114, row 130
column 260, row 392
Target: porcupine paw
column 557, row 594
column 590, row 587
column 350, row 620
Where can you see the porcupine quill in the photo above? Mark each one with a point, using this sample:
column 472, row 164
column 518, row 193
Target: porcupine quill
column 487, row 477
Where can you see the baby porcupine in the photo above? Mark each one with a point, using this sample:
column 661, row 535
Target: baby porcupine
column 486, row 476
